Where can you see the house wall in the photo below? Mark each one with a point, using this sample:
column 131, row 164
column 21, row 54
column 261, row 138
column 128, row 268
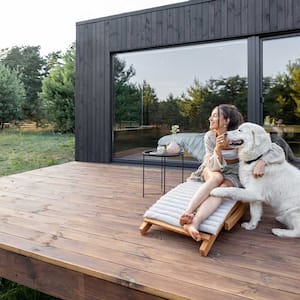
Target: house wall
column 178, row 24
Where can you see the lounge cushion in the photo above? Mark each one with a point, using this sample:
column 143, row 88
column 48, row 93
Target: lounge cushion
column 169, row 207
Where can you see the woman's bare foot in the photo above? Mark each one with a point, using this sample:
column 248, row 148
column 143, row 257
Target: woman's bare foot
column 194, row 233
column 186, row 219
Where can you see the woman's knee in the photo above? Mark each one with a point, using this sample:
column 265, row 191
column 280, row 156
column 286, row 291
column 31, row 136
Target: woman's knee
column 226, row 183
column 217, row 178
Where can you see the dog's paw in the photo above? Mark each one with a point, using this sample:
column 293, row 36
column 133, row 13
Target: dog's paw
column 248, row 225
column 279, row 232
column 218, row 192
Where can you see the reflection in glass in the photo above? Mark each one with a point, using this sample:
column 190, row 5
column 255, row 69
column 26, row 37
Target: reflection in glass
column 281, row 89
column 156, row 89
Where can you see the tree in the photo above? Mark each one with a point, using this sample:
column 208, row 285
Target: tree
column 295, row 75
column 168, row 112
column 52, row 60
column 271, row 106
column 12, row 95
column 150, row 104
column 29, row 64
column 58, row 93
column 232, row 90
column 191, row 105
column 281, row 94
column 126, row 95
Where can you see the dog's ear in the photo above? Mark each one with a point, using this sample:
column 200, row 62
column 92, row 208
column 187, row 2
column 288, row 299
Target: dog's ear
column 257, row 138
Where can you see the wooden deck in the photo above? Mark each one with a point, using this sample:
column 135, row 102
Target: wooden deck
column 72, row 231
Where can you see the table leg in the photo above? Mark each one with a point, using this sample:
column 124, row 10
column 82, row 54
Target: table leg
column 182, row 167
column 143, row 176
column 161, row 174
column 164, row 175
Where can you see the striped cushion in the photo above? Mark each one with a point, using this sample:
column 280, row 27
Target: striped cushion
column 171, row 205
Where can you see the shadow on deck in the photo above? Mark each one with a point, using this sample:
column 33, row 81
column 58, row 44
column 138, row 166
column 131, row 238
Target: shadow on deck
column 72, row 231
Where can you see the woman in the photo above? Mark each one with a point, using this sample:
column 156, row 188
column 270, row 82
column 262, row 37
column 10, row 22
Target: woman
column 219, row 167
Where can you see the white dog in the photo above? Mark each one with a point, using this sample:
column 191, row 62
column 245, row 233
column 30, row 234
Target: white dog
column 279, row 187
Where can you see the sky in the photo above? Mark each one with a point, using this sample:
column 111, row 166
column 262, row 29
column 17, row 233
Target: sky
column 52, row 24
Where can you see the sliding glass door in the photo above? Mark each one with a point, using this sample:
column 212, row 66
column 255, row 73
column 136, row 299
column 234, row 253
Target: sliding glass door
column 281, row 93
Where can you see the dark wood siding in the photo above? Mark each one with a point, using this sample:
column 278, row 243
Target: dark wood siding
column 80, row 95
column 171, row 25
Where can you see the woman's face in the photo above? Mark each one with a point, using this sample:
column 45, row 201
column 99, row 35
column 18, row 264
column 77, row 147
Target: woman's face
column 216, row 120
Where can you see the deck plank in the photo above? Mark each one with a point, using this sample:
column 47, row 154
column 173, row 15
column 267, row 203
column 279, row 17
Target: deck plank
column 83, row 220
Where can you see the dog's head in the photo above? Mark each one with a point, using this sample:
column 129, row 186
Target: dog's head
column 250, row 139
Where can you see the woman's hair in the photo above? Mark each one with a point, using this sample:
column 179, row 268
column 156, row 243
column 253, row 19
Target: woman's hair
column 231, row 112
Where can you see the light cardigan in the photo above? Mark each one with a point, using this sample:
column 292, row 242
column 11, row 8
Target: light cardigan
column 211, row 160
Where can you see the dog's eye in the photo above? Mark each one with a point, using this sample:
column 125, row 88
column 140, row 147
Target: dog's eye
column 239, row 130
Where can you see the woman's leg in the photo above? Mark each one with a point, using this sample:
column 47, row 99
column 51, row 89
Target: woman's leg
column 212, row 180
column 208, row 207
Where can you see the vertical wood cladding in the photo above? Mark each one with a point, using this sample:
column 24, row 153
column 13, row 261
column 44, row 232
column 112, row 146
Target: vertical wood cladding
column 171, row 25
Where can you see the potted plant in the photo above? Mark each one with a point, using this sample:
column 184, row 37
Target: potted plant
column 173, row 147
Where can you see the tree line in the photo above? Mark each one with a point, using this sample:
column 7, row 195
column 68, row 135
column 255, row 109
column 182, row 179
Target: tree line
column 36, row 88
column 42, row 89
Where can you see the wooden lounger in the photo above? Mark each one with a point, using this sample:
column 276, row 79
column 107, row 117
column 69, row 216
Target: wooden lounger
column 166, row 211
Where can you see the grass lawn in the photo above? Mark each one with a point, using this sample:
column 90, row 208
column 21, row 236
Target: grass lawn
column 24, row 151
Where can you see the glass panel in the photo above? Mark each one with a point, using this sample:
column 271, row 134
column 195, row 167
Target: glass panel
column 281, row 89
column 156, row 89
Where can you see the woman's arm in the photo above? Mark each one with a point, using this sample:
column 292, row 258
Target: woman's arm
column 213, row 157
column 275, row 155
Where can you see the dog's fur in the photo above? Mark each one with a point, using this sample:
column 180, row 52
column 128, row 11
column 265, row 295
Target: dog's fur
column 279, row 187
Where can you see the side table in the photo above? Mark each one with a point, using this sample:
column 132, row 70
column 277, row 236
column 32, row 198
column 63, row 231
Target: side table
column 163, row 159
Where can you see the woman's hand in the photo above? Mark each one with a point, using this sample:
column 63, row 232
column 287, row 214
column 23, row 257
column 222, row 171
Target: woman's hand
column 259, row 169
column 221, row 142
